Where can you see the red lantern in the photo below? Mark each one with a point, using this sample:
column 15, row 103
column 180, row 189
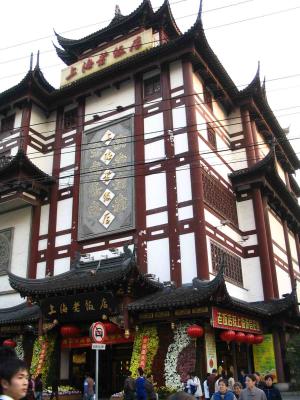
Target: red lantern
column 249, row 338
column 195, row 331
column 258, row 339
column 9, row 343
column 240, row 337
column 227, row 336
column 69, row 331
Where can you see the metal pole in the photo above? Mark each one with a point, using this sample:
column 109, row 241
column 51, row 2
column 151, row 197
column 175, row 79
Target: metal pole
column 97, row 373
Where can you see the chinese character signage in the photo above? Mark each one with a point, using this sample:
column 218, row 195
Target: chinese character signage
column 80, row 307
column 223, row 319
column 210, row 349
column 264, row 356
column 107, row 180
column 107, row 57
column 144, row 350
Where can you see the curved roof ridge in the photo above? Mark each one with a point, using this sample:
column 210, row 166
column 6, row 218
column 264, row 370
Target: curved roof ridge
column 166, row 8
column 254, row 86
column 270, row 157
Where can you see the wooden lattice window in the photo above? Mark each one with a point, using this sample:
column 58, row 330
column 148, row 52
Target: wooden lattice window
column 7, row 125
column 208, row 99
column 70, row 119
column 211, row 135
column 5, row 249
column 152, row 86
column 232, row 263
column 219, row 198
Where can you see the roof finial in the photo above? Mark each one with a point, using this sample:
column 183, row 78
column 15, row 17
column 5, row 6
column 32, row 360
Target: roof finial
column 199, row 17
column 31, row 62
column 117, row 11
column 37, row 60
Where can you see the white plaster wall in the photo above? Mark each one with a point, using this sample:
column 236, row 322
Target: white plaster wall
column 237, row 159
column 201, row 124
column 278, row 252
column 198, row 86
column 185, row 213
column 63, row 240
column 293, row 246
column 245, row 213
column 179, row 117
column 219, row 112
column 38, row 119
column 276, row 230
column 234, row 123
column 44, row 220
column 159, row 259
column 252, row 278
column 64, row 214
column 20, row 221
column 183, row 183
column 153, row 126
column 18, row 119
column 262, row 146
column 67, row 156
column 188, row 257
column 41, row 160
column 157, row 219
column 10, row 300
column 155, row 151
column 156, row 190
column 66, row 178
column 176, row 76
column 280, row 171
column 181, row 143
column 284, row 282
column 110, row 99
column 218, row 165
column 226, row 230
column 41, row 270
column 61, row 265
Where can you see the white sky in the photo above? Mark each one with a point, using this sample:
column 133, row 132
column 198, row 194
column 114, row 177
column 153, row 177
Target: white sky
column 239, row 46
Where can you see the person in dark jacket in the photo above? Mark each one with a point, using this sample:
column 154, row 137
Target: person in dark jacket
column 38, row 384
column 141, row 393
column 129, row 387
column 150, row 387
column 259, row 383
column 211, row 380
column 271, row 392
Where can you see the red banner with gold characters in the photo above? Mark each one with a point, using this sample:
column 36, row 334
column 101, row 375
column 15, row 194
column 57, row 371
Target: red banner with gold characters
column 224, row 319
column 143, row 357
column 86, row 341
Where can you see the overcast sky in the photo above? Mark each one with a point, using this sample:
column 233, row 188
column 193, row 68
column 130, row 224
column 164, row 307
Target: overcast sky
column 272, row 40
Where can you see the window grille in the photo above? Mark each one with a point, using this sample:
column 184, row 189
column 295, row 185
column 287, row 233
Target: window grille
column 232, row 263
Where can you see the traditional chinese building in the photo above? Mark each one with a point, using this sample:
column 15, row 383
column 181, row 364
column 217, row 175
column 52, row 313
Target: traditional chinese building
column 150, row 194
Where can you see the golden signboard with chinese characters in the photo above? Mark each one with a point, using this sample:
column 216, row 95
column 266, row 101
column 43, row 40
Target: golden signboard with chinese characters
column 83, row 306
column 224, row 319
column 107, row 57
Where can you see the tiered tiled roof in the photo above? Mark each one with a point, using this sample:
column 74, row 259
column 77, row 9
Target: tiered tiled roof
column 22, row 313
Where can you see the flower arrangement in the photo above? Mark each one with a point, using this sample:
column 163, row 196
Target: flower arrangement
column 62, row 390
column 152, row 347
column 19, row 347
column 42, row 354
column 181, row 340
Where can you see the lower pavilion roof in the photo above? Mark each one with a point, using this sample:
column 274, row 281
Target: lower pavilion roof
column 20, row 314
column 208, row 293
column 84, row 276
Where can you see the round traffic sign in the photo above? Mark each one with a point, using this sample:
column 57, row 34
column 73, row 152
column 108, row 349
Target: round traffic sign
column 97, row 332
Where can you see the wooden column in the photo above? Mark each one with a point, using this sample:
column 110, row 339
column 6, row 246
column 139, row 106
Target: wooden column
column 278, row 356
column 76, row 184
column 140, row 186
column 288, row 252
column 174, row 243
column 54, row 192
column 266, row 270
column 249, row 142
column 25, row 125
column 298, row 248
column 196, row 176
column 270, row 247
column 35, row 230
column 287, row 181
column 255, row 141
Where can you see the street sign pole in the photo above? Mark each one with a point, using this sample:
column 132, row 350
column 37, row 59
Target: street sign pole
column 97, row 374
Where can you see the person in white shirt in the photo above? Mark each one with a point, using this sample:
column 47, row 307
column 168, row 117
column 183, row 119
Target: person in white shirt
column 190, row 387
column 13, row 379
column 206, row 388
column 196, row 381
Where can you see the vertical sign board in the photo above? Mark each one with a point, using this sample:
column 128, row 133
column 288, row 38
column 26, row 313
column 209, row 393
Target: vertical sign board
column 264, row 357
column 97, row 333
column 210, row 349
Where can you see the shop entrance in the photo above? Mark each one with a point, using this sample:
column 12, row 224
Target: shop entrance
column 114, row 361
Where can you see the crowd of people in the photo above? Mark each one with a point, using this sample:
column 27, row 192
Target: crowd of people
column 17, row 384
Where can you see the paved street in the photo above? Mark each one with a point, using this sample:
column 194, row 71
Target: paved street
column 291, row 396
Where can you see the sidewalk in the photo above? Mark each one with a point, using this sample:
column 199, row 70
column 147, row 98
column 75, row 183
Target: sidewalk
column 290, row 395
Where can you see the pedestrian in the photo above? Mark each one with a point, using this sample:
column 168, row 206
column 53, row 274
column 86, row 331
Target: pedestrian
column 150, row 387
column 206, row 388
column 211, row 380
column 180, row 396
column 259, row 383
column 13, row 379
column 88, row 387
column 242, row 378
column 196, row 382
column 30, row 389
column 223, row 392
column 54, row 393
column 140, row 385
column 190, row 388
column 271, row 392
column 129, row 387
column 230, row 380
column 237, row 388
column 252, row 392
column 38, row 387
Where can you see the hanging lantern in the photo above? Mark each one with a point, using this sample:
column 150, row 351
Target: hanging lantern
column 195, row 331
column 227, row 336
column 249, row 338
column 69, row 331
column 258, row 339
column 9, row 343
column 240, row 337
